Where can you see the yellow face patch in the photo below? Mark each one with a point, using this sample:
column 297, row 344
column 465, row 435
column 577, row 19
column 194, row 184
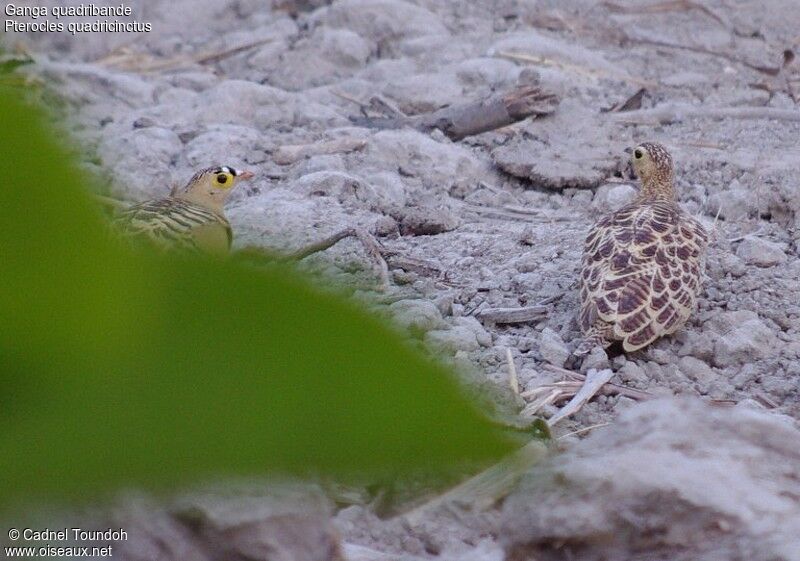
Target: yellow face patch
column 223, row 180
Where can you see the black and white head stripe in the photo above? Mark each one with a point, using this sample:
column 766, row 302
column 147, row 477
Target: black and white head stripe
column 225, row 169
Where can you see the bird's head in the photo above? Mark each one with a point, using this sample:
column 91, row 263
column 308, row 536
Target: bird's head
column 653, row 166
column 211, row 186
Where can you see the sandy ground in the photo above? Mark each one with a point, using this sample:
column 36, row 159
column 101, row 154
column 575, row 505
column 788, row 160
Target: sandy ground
column 495, row 220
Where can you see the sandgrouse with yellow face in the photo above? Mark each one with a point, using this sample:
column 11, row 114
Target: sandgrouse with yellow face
column 191, row 218
column 642, row 265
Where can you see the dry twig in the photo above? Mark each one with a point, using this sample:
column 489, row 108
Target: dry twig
column 662, row 7
column 633, row 103
column 369, row 243
column 139, row 62
column 555, row 392
column 513, row 380
column 485, row 489
column 583, row 430
column 460, row 121
column 669, row 113
column 511, row 315
column 595, row 379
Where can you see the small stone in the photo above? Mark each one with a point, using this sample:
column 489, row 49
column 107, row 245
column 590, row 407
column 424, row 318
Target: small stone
column 552, row 348
column 624, row 403
column 719, row 389
column 747, row 374
column 760, row 252
column 697, row 371
column 528, row 262
column 457, row 338
column 445, row 304
column 732, row 264
column 525, row 344
column 736, row 202
column 483, row 336
column 401, row 277
column 597, row 359
column 144, row 122
column 724, row 322
column 750, row 341
column 527, row 236
column 383, row 21
column 633, row 374
column 661, row 356
column 385, row 226
column 611, row 197
column 343, row 186
column 428, row 221
column 417, row 316
column 582, row 198
column 749, row 403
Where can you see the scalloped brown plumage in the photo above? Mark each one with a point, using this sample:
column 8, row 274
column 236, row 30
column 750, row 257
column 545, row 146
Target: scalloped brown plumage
column 642, row 265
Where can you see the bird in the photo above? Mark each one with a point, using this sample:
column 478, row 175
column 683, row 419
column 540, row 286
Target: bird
column 191, row 218
column 643, row 265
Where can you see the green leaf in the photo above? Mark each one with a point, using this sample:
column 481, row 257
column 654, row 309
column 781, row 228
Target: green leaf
column 9, row 64
column 121, row 367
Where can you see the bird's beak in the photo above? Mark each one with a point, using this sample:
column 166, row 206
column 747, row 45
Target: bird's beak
column 628, row 150
column 246, row 174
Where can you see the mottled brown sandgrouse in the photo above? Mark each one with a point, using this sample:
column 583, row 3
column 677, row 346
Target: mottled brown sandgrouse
column 642, row 265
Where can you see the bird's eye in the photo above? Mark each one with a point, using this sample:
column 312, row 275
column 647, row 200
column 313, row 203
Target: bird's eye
column 222, row 178
column 637, row 154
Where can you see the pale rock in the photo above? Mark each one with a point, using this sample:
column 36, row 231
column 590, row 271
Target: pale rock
column 222, row 145
column 733, row 264
column 423, row 93
column 140, row 160
column 337, row 184
column 552, row 348
column 239, row 102
column 280, row 521
column 736, row 202
column 760, row 252
column 749, row 341
column 669, row 479
column 457, row 338
column 386, row 226
column 724, row 322
column 483, row 337
column 611, row 197
column 319, row 162
column 383, row 21
column 697, row 371
column 389, row 187
column 439, row 166
column 427, row 220
column 487, row 71
column 597, row 359
column 633, row 374
column 417, row 316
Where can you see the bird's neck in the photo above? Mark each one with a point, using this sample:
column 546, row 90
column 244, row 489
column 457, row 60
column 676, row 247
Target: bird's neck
column 215, row 204
column 657, row 188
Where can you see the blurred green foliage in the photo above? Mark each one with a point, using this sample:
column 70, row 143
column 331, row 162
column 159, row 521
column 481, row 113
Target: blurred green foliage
column 121, row 367
column 8, row 66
